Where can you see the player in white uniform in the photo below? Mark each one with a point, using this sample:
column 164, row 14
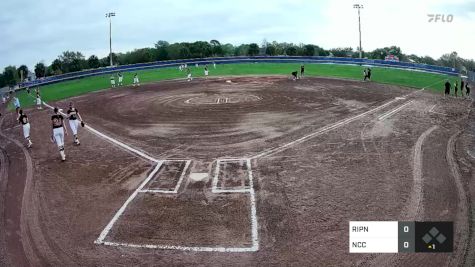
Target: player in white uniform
column 121, row 78
column 136, row 80
column 59, row 130
column 23, row 120
column 112, row 81
column 214, row 65
column 188, row 71
column 16, row 102
column 74, row 119
column 206, row 71
column 38, row 101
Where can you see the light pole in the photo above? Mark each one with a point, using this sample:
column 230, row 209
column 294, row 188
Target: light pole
column 110, row 15
column 358, row 6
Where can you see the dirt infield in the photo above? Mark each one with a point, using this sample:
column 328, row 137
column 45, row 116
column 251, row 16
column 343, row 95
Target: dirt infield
column 268, row 170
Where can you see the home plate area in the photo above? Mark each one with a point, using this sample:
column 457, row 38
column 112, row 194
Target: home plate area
column 180, row 209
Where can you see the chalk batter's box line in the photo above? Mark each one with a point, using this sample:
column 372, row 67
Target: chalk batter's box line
column 253, row 217
column 215, row 189
column 105, row 232
column 178, row 184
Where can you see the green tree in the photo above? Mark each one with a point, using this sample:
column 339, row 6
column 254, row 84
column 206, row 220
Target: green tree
column 241, row 50
column 291, row 51
column 40, row 70
column 50, row 71
column 2, row 80
column 321, row 52
column 271, row 50
column 72, row 61
column 200, row 49
column 342, row 52
column 106, row 62
column 162, row 50
column 184, row 52
column 253, row 49
column 451, row 60
column 216, row 48
column 228, row 50
column 23, row 72
column 10, row 75
column 56, row 66
column 93, row 62
column 309, row 50
column 428, row 60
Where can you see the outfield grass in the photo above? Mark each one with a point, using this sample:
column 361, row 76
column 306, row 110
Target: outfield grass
column 415, row 79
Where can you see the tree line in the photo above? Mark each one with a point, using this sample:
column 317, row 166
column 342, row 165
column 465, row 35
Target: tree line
column 70, row 61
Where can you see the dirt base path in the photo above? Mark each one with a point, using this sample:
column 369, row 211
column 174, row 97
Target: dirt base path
column 383, row 165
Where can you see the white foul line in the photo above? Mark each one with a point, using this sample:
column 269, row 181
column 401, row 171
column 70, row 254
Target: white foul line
column 127, row 147
column 319, row 132
column 254, row 226
column 184, row 248
column 105, row 232
column 394, row 111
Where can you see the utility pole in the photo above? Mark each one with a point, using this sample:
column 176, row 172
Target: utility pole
column 358, row 6
column 110, row 15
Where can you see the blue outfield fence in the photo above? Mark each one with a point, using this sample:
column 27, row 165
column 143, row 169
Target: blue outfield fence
column 235, row 60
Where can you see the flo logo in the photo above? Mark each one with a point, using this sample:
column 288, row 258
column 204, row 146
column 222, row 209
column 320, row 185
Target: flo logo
column 440, row 18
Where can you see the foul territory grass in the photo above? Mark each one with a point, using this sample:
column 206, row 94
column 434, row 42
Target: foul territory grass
column 415, row 79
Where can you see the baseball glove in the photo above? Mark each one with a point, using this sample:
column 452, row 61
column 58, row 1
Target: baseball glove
column 83, row 124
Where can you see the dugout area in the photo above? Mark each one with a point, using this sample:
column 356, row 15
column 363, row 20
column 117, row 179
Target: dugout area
column 256, row 171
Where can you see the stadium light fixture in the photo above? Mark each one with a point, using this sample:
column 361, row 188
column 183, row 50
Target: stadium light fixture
column 110, row 15
column 358, row 6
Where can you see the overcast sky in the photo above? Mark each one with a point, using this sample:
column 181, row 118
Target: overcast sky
column 39, row 30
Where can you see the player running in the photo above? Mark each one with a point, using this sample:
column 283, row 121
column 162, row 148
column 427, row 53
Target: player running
column 59, row 130
column 23, row 120
column 136, row 80
column 206, row 71
column 74, row 119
